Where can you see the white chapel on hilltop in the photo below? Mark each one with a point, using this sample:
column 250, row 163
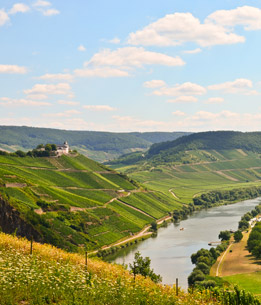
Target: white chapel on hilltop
column 63, row 149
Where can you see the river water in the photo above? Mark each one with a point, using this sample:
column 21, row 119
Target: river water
column 170, row 251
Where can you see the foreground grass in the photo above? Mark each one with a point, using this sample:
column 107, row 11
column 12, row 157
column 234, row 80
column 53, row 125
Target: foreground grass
column 248, row 281
column 52, row 276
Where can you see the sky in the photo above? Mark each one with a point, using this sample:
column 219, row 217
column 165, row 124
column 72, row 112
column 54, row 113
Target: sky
column 139, row 65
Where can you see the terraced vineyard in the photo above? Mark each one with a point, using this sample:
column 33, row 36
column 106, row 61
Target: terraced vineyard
column 213, row 170
column 72, row 201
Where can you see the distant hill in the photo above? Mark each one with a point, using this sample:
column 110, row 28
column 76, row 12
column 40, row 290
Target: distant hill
column 97, row 145
column 217, row 140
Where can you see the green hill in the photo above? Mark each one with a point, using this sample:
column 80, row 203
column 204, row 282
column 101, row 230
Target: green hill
column 99, row 146
column 71, row 200
column 197, row 163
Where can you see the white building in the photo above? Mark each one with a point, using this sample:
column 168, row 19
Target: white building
column 63, row 149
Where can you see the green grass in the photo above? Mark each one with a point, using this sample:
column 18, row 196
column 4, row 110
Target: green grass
column 248, row 281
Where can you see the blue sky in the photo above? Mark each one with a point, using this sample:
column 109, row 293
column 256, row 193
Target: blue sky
column 131, row 65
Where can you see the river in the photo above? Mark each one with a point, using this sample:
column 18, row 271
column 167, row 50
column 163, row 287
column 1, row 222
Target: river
column 170, row 251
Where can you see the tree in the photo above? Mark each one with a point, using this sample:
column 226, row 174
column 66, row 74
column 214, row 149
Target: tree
column 48, row 147
column 154, row 226
column 224, row 235
column 142, row 266
column 54, row 147
column 238, row 236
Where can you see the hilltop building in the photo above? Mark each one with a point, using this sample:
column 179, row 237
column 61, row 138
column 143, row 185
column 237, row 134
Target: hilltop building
column 63, row 149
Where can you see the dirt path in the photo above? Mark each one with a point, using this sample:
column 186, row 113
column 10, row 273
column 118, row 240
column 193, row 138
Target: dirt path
column 136, row 209
column 226, row 176
column 173, row 194
column 239, row 260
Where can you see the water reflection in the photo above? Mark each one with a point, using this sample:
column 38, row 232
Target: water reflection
column 170, row 251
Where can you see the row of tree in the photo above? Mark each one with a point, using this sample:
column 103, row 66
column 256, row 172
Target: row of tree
column 254, row 241
column 41, row 150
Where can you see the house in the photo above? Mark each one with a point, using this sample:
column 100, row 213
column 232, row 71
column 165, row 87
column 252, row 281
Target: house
column 63, row 149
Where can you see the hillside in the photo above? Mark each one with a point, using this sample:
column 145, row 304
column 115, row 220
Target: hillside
column 197, row 163
column 52, row 276
column 99, row 146
column 215, row 140
column 71, row 201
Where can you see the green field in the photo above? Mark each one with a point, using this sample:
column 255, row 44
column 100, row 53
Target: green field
column 248, row 281
column 71, row 200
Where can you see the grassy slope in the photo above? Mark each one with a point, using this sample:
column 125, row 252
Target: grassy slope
column 79, row 196
column 231, row 169
column 52, row 276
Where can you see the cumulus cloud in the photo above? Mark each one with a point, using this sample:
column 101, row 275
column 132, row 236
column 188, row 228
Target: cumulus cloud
column 50, row 12
column 240, row 85
column 19, row 8
column 115, row 40
column 3, row 17
column 6, row 101
column 12, row 69
column 178, row 28
column 67, row 113
column 187, row 88
column 195, row 51
column 41, row 3
column 57, row 77
column 45, row 8
column 215, row 100
column 155, row 83
column 99, row 107
column 81, row 48
column 247, row 16
column 183, row 99
column 37, row 96
column 65, row 102
column 178, row 113
column 132, row 57
column 59, row 89
column 103, row 72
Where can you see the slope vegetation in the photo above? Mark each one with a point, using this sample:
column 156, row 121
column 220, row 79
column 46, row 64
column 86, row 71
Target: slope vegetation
column 72, row 201
column 198, row 163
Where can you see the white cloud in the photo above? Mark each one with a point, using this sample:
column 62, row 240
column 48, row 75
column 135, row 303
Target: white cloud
column 155, row 83
column 67, row 113
column 132, row 57
column 44, row 8
column 187, row 88
column 215, row 100
column 37, row 97
column 178, row 28
column 50, row 12
column 178, row 113
column 99, row 107
column 57, row 77
column 195, row 51
column 115, row 40
column 60, row 89
column 19, row 8
column 248, row 16
column 81, row 48
column 104, row 72
column 12, row 69
column 184, row 99
column 65, row 102
column 6, row 101
column 3, row 17
column 240, row 85
column 41, row 3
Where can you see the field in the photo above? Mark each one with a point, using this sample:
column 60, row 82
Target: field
column 224, row 169
column 72, row 201
column 248, row 281
column 53, row 276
